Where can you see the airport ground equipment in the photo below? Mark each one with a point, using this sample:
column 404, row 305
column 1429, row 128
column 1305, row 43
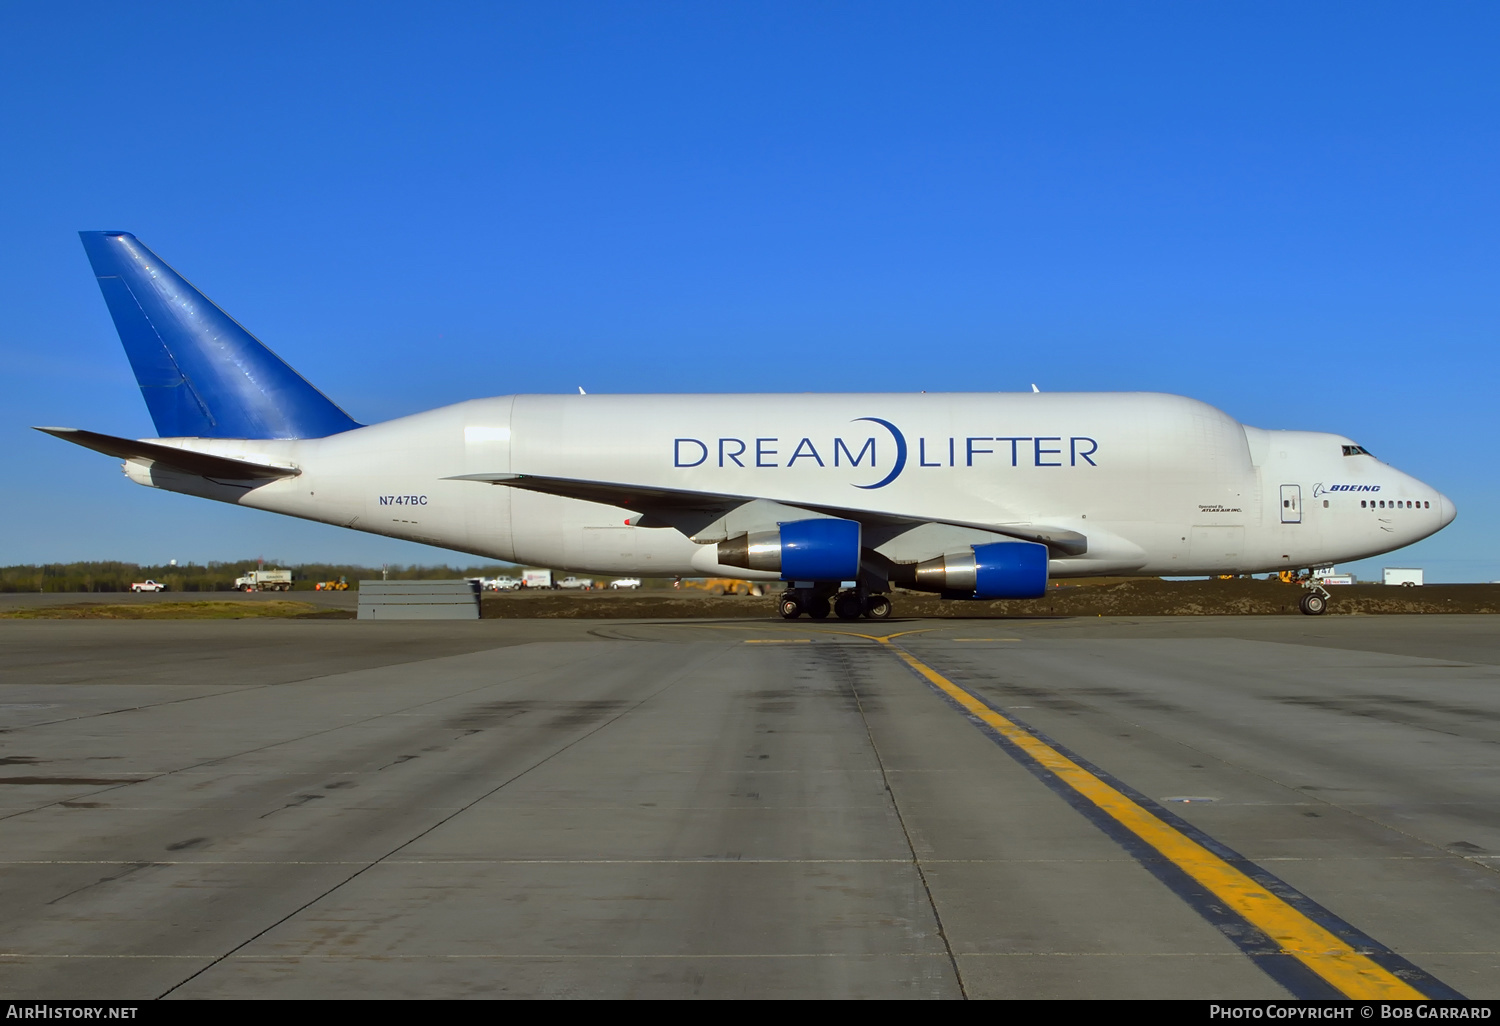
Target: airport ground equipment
column 148, row 586
column 537, row 579
column 419, row 600
column 264, row 580
column 341, row 584
column 840, row 496
column 1406, row 577
column 720, row 585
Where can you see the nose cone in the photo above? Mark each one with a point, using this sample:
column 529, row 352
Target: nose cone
column 1446, row 510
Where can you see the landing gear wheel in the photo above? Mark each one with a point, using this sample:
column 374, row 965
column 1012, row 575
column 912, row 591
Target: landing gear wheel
column 877, row 607
column 818, row 609
column 790, row 609
column 848, row 606
column 1313, row 604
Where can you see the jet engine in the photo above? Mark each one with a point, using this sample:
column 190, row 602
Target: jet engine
column 801, row 550
column 993, row 571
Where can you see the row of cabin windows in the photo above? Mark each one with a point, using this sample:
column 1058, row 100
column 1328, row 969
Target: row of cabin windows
column 1383, row 504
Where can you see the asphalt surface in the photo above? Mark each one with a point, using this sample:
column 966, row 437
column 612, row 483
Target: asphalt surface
column 745, row 808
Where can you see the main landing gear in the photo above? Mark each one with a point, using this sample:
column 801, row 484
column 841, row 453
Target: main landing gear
column 819, row 600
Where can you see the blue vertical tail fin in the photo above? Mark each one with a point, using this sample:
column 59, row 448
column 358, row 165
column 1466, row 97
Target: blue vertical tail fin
column 201, row 373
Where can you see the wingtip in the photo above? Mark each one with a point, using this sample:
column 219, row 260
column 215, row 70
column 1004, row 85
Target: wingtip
column 486, row 478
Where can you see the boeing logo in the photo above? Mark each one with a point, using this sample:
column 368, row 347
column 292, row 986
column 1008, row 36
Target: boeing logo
column 1319, row 489
column 952, row 451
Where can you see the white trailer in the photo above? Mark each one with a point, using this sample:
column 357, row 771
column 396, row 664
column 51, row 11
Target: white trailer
column 1409, row 577
column 536, row 579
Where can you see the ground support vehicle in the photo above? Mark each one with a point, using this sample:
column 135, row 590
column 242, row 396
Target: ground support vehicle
column 722, row 586
column 148, row 586
column 537, row 579
column 264, row 580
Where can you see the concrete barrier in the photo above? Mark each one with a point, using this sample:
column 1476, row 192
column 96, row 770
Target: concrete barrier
column 419, row 600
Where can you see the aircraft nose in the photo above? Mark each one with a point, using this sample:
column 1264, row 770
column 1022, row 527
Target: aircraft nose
column 1446, row 510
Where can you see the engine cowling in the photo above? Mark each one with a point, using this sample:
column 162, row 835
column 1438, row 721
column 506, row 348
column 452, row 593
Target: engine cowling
column 993, row 571
column 822, row 549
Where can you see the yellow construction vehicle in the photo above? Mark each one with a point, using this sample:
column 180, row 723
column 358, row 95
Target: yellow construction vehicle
column 720, row 586
column 338, row 585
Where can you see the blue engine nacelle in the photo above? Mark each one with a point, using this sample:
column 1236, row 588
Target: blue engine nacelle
column 801, row 550
column 999, row 570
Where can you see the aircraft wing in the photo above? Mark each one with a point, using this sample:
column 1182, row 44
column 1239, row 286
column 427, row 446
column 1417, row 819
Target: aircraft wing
column 689, row 511
column 186, row 460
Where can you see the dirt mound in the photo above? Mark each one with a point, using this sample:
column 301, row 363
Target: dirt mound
column 190, row 609
column 1135, row 597
column 628, row 605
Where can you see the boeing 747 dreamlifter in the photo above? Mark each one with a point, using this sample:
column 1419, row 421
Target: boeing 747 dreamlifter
column 842, row 496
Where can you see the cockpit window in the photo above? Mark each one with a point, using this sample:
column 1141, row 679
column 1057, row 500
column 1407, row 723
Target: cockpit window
column 1355, row 450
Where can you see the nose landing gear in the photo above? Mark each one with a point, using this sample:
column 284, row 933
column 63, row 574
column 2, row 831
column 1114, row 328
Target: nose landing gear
column 1315, row 602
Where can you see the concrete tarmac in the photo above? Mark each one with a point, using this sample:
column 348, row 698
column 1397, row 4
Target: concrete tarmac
column 739, row 808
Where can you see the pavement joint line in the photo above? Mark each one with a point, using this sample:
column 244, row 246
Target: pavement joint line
column 499, row 956
column 911, row 847
column 1145, row 954
column 672, row 682
column 394, row 957
column 7, row 957
column 717, row 861
column 362, row 721
column 220, row 690
column 706, row 861
column 1334, row 961
column 1356, row 809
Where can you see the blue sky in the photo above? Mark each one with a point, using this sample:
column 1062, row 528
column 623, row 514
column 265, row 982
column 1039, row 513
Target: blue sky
column 1287, row 210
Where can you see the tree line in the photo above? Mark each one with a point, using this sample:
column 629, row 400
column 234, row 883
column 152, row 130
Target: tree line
column 107, row 576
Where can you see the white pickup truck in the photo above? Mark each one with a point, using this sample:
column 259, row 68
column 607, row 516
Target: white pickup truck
column 147, row 586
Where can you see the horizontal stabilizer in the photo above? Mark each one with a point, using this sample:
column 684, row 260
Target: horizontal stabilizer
column 684, row 508
column 218, row 468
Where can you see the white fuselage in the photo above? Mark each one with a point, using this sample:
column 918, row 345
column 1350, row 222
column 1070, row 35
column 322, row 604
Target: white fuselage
column 1158, row 484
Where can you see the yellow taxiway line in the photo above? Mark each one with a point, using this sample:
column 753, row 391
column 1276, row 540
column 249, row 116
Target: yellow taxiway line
column 1329, row 956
